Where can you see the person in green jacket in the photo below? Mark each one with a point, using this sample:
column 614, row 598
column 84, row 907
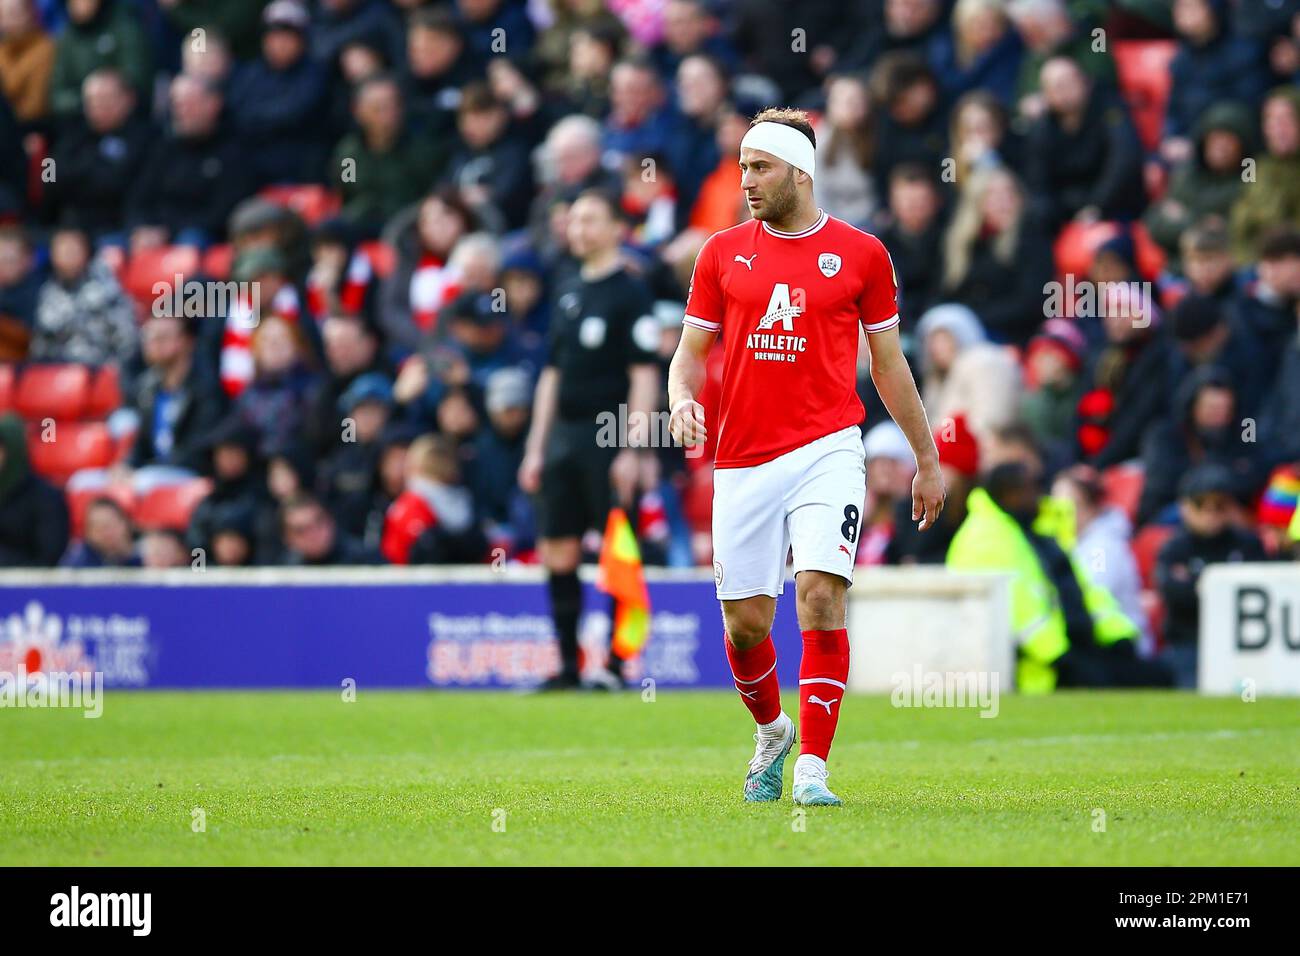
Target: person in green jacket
column 99, row 33
column 1210, row 182
column 381, row 167
column 1273, row 197
column 1069, row 631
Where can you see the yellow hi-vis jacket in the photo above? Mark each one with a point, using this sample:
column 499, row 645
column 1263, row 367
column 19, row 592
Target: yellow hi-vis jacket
column 990, row 540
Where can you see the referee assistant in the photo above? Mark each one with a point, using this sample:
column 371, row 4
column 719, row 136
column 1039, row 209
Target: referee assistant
column 601, row 354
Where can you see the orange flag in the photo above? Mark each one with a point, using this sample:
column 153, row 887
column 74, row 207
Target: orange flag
column 621, row 577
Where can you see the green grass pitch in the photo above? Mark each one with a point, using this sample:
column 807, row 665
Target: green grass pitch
column 434, row 777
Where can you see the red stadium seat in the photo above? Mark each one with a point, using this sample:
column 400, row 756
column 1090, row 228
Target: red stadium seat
column 1123, row 487
column 105, row 395
column 149, row 266
column 313, row 203
column 1150, row 257
column 1143, row 69
column 170, row 506
column 1077, row 243
column 75, row 445
column 8, row 378
column 1146, row 546
column 79, row 500
column 217, row 261
column 382, row 256
column 53, row 391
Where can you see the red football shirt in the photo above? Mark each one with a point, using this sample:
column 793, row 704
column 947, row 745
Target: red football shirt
column 788, row 306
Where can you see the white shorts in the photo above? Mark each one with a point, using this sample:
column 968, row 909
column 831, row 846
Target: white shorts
column 809, row 499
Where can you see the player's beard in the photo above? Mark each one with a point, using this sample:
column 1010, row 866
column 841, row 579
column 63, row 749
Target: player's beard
column 782, row 203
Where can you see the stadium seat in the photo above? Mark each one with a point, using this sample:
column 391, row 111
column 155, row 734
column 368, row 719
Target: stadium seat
column 149, row 266
column 313, row 203
column 1077, row 243
column 86, row 486
column 1146, row 545
column 53, row 391
column 105, row 394
column 170, row 506
column 76, row 445
column 217, row 261
column 1122, row 485
column 8, row 376
column 382, row 256
column 1150, row 257
column 1144, row 81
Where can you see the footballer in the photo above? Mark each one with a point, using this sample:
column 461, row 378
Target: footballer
column 787, row 291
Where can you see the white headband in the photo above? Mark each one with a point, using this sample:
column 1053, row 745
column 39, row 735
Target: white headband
column 783, row 142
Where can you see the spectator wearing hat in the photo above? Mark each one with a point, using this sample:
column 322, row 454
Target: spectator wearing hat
column 382, row 166
column 349, row 475
column 1204, row 334
column 1209, row 182
column 481, row 336
column 1103, row 545
column 193, row 176
column 236, row 472
column 233, row 538
column 176, row 399
column 1206, row 535
column 523, row 277
column 1054, row 383
column 491, row 169
column 1206, row 428
column 483, row 22
column 275, row 101
column 99, row 156
column 498, row 451
column 963, row 373
column 890, row 467
column 959, row 460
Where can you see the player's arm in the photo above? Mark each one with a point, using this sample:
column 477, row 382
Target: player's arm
column 686, row 376
column 893, row 380
column 642, row 397
column 545, row 402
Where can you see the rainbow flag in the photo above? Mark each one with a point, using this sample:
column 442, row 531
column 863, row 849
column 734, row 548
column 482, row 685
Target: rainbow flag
column 621, row 577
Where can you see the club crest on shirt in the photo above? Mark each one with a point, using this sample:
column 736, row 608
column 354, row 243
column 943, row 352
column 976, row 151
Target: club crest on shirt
column 829, row 263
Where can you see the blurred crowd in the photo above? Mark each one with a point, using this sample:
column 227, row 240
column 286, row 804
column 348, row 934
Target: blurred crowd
column 393, row 176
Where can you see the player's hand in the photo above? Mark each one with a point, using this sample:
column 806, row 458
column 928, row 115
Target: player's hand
column 530, row 473
column 928, row 496
column 686, row 423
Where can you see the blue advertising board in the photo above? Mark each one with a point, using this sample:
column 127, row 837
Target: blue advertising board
column 226, row 630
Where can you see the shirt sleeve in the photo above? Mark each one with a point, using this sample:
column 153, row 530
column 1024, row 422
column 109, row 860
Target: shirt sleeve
column 878, row 304
column 704, row 295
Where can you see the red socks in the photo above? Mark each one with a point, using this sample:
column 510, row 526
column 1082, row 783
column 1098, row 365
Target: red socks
column 823, row 673
column 754, row 671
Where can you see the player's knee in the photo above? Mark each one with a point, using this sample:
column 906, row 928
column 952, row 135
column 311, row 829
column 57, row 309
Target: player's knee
column 821, row 602
column 747, row 626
